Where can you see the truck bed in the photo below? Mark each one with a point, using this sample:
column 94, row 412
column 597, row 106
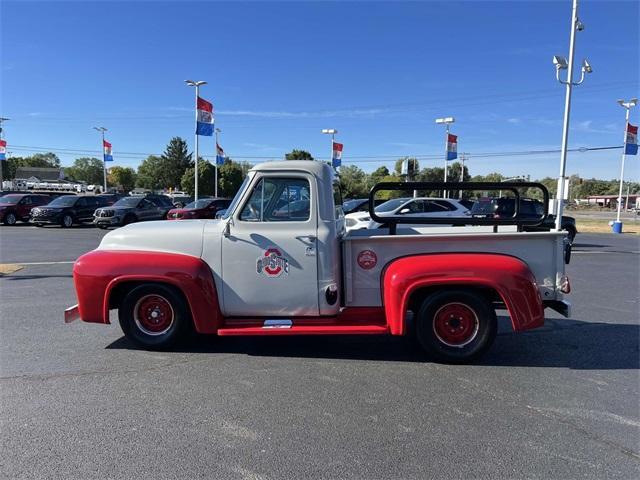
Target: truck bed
column 541, row 251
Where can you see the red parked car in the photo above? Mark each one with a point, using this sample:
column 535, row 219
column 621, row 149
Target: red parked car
column 202, row 208
column 17, row 206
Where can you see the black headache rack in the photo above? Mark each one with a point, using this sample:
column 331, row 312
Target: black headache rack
column 513, row 187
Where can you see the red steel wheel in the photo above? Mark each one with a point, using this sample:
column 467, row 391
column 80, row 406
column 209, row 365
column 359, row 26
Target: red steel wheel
column 153, row 314
column 455, row 324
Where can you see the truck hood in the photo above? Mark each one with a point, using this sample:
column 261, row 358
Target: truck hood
column 160, row 236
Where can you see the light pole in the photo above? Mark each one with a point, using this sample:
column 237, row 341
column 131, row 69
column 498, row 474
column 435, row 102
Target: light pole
column 104, row 163
column 446, row 121
column 332, row 132
column 196, row 84
column 561, row 64
column 2, row 119
column 218, row 131
column 617, row 226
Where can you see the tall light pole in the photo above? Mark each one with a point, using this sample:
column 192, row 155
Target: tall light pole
column 215, row 194
column 332, row 132
column 104, row 162
column 446, row 121
column 617, row 226
column 561, row 64
column 2, row 119
column 462, row 159
column 196, row 84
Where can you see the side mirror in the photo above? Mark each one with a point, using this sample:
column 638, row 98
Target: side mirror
column 227, row 229
column 403, row 211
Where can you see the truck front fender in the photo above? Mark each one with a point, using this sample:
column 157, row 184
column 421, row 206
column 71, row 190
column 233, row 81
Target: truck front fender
column 98, row 273
column 508, row 276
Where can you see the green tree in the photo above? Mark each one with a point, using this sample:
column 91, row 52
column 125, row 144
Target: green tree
column 230, row 176
column 124, row 178
column 175, row 161
column 150, row 173
column 413, row 167
column 86, row 169
column 39, row 160
column 206, row 179
column 298, row 155
column 353, row 182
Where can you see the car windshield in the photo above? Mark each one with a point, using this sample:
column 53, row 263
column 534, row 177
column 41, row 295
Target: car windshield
column 128, row 202
column 67, row 201
column 10, row 199
column 390, row 205
column 351, row 204
column 202, row 203
column 236, row 198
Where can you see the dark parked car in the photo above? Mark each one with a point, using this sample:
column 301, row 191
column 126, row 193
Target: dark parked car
column 359, row 205
column 18, row 206
column 202, row 208
column 133, row 209
column 529, row 208
column 67, row 210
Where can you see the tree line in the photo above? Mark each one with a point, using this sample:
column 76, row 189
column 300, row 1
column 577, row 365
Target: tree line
column 175, row 169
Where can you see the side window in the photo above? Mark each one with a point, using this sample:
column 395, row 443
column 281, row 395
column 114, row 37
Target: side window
column 26, row 201
column 81, row 203
column 278, row 200
column 433, row 207
column 414, row 207
column 445, row 205
column 337, row 201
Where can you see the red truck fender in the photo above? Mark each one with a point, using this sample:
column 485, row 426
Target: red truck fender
column 508, row 276
column 98, row 274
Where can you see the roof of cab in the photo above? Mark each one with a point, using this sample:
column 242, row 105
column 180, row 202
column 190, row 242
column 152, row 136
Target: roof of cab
column 319, row 169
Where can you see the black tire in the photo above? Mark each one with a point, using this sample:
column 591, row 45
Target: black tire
column 471, row 333
column 66, row 221
column 10, row 219
column 136, row 316
column 129, row 218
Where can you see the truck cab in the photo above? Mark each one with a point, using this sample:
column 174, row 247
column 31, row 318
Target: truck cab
column 280, row 263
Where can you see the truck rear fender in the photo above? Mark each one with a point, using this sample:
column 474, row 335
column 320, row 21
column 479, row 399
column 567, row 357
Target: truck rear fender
column 103, row 277
column 509, row 277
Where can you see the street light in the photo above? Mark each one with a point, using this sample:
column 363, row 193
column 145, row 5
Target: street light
column 215, row 194
column 104, row 163
column 445, row 121
column 332, row 132
column 196, row 84
column 617, row 226
column 562, row 64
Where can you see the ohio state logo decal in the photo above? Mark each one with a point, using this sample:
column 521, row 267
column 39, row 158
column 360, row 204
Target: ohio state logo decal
column 272, row 263
column 367, row 259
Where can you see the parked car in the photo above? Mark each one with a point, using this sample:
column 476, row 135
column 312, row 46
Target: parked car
column 14, row 207
column 407, row 207
column 133, row 209
column 202, row 208
column 67, row 210
column 359, row 205
column 504, row 207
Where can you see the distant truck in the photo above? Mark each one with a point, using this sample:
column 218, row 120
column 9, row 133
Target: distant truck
column 280, row 263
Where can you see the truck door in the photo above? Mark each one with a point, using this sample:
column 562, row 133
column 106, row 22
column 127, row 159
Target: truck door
column 269, row 257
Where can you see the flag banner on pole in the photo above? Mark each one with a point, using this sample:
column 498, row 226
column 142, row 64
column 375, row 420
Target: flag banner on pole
column 336, row 158
column 219, row 155
column 3, row 150
column 205, row 118
column 631, row 140
column 452, row 147
column 107, row 151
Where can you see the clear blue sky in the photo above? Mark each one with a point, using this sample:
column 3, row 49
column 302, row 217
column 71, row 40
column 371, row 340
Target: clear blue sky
column 379, row 72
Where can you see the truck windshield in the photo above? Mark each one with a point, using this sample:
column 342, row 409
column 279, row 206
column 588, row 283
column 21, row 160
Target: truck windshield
column 237, row 196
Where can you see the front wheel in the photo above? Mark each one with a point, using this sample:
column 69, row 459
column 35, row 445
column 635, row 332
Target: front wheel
column 154, row 316
column 456, row 326
column 10, row 219
column 67, row 221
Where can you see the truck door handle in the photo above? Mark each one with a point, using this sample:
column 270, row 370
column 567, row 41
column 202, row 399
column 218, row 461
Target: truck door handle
column 311, row 238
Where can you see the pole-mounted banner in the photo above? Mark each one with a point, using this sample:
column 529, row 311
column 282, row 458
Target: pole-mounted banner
column 452, row 147
column 631, row 140
column 219, row 155
column 205, row 118
column 3, row 150
column 107, row 151
column 336, row 158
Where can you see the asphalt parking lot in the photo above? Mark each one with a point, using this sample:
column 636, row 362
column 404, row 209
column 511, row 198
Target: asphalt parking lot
column 79, row 401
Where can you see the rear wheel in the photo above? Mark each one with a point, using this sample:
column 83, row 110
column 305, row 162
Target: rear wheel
column 66, row 221
column 154, row 316
column 10, row 219
column 456, row 326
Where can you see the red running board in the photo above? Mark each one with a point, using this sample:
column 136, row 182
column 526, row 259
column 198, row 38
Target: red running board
column 307, row 330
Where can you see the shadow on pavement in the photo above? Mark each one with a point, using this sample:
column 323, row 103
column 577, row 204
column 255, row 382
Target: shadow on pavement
column 570, row 344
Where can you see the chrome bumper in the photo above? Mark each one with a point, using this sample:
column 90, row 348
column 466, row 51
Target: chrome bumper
column 71, row 314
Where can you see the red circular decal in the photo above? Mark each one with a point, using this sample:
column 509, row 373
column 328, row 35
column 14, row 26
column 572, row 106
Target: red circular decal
column 273, row 268
column 367, row 259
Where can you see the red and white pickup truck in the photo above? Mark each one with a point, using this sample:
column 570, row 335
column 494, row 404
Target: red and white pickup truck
column 280, row 263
